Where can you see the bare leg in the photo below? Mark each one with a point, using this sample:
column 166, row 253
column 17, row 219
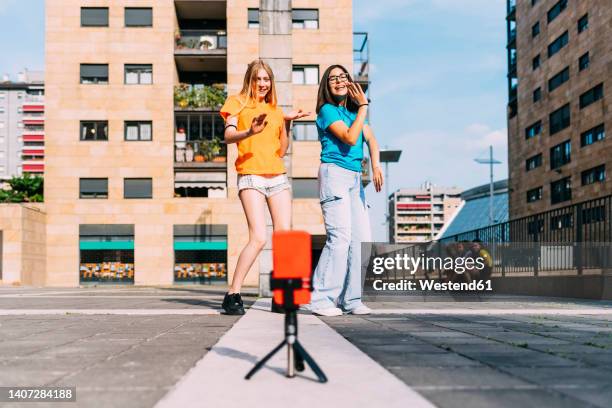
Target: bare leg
column 253, row 203
column 280, row 210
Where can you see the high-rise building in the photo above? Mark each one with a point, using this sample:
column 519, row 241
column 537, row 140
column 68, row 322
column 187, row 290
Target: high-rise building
column 137, row 188
column 22, row 135
column 559, row 74
column 418, row 215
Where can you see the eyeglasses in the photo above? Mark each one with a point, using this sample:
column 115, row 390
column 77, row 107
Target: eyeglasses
column 338, row 78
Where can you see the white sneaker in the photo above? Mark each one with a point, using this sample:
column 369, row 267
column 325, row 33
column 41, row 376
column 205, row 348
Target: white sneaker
column 330, row 311
column 361, row 310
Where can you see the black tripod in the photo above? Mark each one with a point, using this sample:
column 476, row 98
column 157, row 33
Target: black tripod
column 296, row 354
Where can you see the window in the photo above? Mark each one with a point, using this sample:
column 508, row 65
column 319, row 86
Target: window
column 533, row 162
column 583, row 62
column 558, row 44
column 305, row 187
column 559, row 119
column 138, row 130
column 561, row 190
column 1, row 124
column 537, row 94
column 94, row 16
column 561, row 221
column 94, row 130
column 138, row 188
column 93, row 188
column 94, row 73
column 593, row 135
column 253, row 18
column 138, row 74
column 535, row 62
column 534, row 2
column 533, row 130
column 535, row 29
column 2, row 95
column 2, row 110
column 594, row 175
column 305, row 130
column 306, row 74
column 138, row 17
column 534, row 194
column 556, row 10
column 592, row 95
column 583, row 23
column 305, row 18
column 560, row 154
column 536, row 226
column 558, row 80
column 594, row 214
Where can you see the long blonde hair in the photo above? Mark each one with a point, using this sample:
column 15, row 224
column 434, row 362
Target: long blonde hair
column 250, row 82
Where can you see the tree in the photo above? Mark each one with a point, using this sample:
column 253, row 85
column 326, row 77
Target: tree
column 25, row 188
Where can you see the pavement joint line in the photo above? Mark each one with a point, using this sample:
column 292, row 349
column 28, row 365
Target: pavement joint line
column 563, row 312
column 500, row 387
column 129, row 312
column 112, row 296
column 355, row 379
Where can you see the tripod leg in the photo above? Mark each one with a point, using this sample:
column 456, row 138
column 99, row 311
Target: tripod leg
column 310, row 361
column 299, row 359
column 263, row 361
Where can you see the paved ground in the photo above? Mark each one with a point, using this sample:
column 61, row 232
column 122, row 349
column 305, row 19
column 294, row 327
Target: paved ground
column 114, row 360
column 136, row 346
column 493, row 359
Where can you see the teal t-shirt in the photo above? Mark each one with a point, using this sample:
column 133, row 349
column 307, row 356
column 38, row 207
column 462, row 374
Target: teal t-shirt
column 333, row 150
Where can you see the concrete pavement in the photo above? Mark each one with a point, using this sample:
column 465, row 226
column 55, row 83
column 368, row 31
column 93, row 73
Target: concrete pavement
column 142, row 347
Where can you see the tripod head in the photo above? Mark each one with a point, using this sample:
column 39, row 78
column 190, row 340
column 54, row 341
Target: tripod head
column 292, row 274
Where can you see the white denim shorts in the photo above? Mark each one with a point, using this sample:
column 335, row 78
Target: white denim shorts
column 268, row 186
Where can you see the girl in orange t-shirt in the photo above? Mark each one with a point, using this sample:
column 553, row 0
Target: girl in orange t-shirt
column 258, row 126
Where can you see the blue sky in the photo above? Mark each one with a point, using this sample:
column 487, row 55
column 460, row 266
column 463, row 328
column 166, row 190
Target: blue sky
column 438, row 83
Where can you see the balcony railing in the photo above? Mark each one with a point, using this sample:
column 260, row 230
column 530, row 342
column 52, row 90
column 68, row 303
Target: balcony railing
column 511, row 9
column 512, row 38
column 205, row 41
column 200, row 153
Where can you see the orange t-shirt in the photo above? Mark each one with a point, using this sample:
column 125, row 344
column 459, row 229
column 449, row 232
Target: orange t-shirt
column 259, row 153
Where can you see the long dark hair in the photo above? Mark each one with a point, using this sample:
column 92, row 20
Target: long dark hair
column 325, row 95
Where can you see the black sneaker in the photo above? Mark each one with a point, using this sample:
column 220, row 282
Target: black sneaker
column 232, row 304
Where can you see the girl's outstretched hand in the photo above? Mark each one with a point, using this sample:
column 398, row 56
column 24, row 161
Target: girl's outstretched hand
column 377, row 178
column 356, row 93
column 297, row 114
column 258, row 124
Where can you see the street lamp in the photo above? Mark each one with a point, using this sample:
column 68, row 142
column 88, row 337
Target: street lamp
column 388, row 156
column 490, row 161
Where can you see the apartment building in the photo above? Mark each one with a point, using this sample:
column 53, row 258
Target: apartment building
column 559, row 72
column 22, row 134
column 418, row 215
column 138, row 189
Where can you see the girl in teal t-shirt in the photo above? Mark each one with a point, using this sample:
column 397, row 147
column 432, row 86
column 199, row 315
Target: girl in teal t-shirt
column 343, row 127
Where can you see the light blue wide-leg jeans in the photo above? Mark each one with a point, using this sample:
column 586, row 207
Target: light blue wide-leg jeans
column 337, row 277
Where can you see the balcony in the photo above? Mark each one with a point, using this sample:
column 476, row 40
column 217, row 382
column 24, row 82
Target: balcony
column 200, row 158
column 200, row 42
column 512, row 38
column 511, row 15
column 361, row 59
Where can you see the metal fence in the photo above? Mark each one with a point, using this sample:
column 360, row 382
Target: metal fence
column 572, row 240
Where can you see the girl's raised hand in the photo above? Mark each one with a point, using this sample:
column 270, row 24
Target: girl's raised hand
column 356, row 93
column 297, row 114
column 258, row 124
